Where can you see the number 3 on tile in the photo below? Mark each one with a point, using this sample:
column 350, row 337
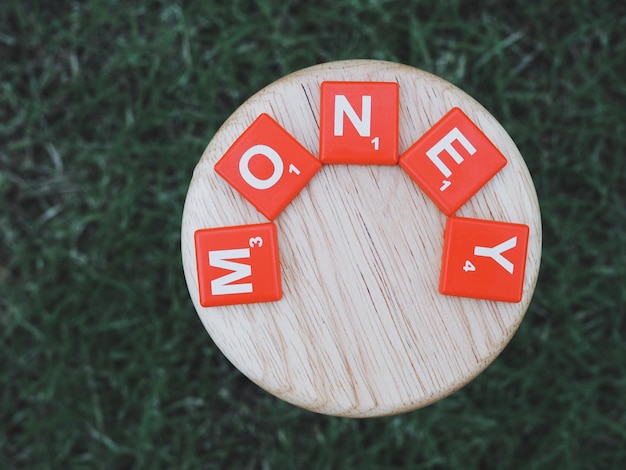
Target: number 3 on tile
column 256, row 242
column 469, row 267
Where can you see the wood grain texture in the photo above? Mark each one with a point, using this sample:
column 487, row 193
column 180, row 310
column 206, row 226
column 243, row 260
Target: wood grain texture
column 361, row 329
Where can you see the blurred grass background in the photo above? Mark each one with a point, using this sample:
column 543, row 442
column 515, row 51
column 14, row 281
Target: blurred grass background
column 106, row 106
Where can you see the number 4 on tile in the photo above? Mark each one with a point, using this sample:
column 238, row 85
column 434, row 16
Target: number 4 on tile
column 469, row 267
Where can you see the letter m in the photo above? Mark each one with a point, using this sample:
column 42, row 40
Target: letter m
column 222, row 259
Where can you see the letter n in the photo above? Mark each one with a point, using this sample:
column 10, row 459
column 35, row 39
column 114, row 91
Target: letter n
column 362, row 125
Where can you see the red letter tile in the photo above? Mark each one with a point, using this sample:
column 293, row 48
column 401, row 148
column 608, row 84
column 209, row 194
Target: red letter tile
column 267, row 166
column 452, row 161
column 238, row 265
column 359, row 123
column 484, row 259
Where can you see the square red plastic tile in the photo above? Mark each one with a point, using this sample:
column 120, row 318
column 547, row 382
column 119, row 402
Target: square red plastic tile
column 238, row 265
column 452, row 161
column 484, row 259
column 359, row 123
column 267, row 166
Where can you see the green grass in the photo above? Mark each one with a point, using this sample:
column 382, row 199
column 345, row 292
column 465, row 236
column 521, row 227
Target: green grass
column 106, row 106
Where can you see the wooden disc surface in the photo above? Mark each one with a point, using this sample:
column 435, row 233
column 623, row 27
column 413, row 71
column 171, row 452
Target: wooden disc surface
column 361, row 329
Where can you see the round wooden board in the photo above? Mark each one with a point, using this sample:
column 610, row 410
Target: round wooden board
column 361, row 329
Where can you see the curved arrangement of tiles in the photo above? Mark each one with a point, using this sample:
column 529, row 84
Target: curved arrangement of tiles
column 451, row 162
column 355, row 235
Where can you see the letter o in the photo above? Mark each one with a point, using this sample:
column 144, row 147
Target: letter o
column 272, row 155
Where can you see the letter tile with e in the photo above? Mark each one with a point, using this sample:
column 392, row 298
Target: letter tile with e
column 452, row 161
